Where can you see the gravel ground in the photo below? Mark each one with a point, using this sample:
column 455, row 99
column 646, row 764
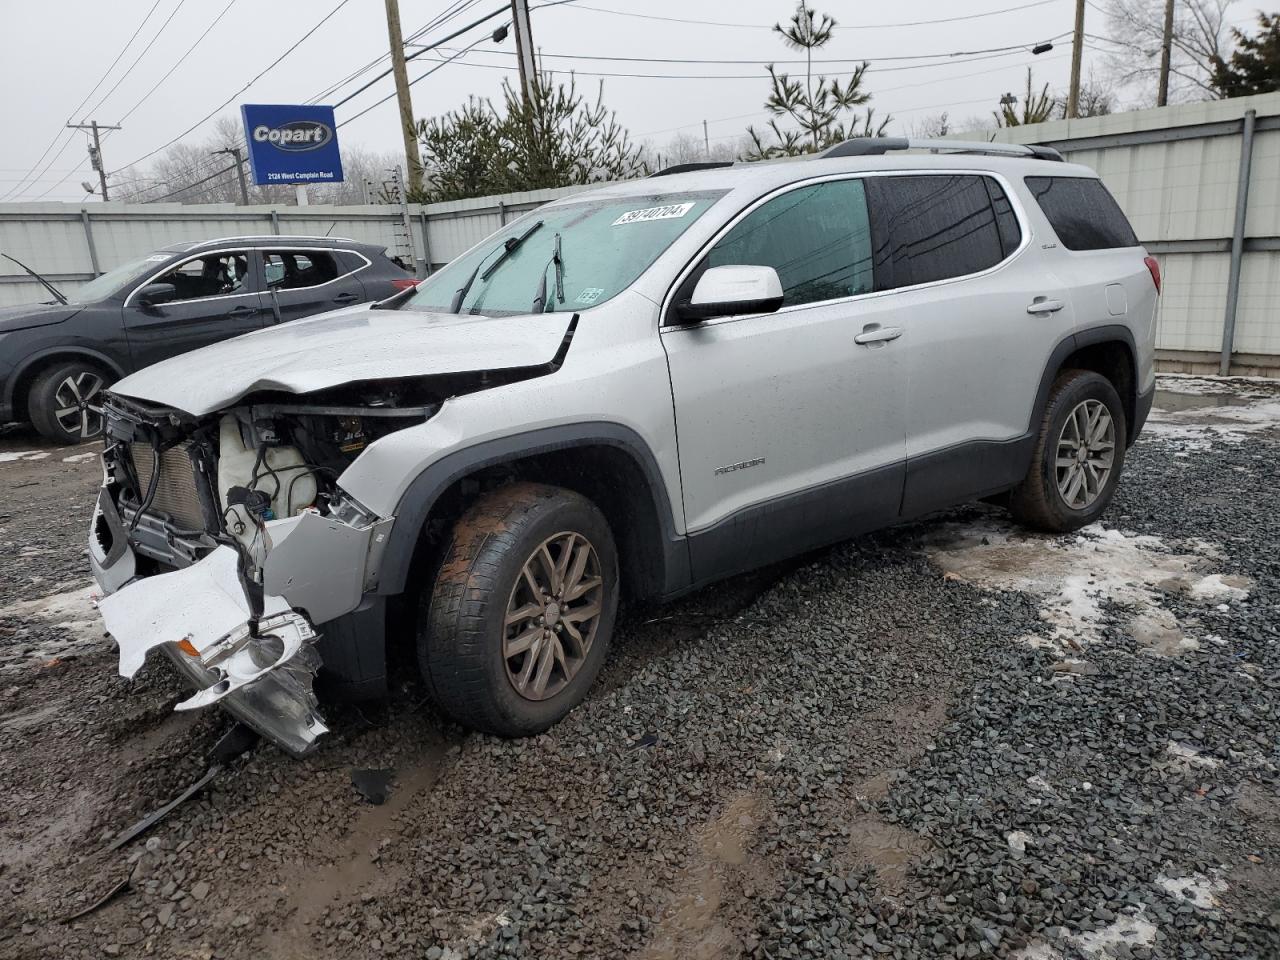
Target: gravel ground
column 950, row 739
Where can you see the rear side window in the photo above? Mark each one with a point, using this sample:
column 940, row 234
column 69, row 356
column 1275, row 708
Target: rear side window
column 1082, row 213
column 816, row 237
column 936, row 227
column 289, row 270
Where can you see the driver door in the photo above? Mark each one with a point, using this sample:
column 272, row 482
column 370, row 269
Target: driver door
column 215, row 297
column 791, row 431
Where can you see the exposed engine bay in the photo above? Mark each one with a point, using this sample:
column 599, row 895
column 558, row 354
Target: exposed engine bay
column 226, row 541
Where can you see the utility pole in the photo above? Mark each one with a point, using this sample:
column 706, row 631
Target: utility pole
column 1077, row 50
column 1166, row 50
column 95, row 151
column 239, row 157
column 411, row 159
column 524, row 48
column 706, row 141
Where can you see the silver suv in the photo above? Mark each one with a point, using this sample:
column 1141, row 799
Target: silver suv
column 629, row 392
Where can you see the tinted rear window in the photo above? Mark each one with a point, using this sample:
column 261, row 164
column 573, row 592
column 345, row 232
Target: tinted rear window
column 1082, row 213
column 935, row 227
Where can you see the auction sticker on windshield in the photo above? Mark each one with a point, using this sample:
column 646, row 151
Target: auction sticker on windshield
column 671, row 211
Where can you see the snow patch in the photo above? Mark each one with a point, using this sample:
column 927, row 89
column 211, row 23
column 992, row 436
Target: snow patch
column 72, row 612
column 1197, row 889
column 1017, row 840
column 81, row 457
column 8, row 456
column 1075, row 579
column 1190, row 757
column 1131, row 931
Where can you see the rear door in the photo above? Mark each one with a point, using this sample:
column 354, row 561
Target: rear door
column 302, row 282
column 983, row 312
column 216, row 297
column 790, row 431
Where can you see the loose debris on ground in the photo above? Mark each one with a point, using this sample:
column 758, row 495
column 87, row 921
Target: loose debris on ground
column 950, row 739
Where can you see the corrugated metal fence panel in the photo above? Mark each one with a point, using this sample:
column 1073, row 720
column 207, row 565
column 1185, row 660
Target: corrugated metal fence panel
column 1258, row 312
column 1191, row 307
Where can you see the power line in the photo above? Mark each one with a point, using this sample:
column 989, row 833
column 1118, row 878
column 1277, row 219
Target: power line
column 858, row 26
column 177, row 63
column 106, row 73
column 441, row 64
column 259, row 76
column 150, row 43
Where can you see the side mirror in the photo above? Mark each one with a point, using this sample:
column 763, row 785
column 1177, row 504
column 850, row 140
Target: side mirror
column 154, row 294
column 732, row 290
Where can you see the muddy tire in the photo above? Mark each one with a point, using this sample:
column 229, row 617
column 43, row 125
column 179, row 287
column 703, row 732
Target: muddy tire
column 65, row 402
column 519, row 621
column 1078, row 457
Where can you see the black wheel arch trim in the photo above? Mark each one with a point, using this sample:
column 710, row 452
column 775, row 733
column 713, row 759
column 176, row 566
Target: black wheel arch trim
column 1077, row 341
column 59, row 354
column 417, row 502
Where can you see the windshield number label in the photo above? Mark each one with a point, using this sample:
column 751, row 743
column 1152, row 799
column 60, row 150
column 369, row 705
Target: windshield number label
column 589, row 295
column 671, row 211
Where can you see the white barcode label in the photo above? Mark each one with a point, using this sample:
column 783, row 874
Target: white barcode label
column 671, row 211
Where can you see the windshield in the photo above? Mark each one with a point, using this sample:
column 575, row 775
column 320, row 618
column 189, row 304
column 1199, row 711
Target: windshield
column 588, row 252
column 113, row 280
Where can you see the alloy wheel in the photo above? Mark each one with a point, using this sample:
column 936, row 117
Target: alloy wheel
column 552, row 615
column 77, row 406
column 1086, row 453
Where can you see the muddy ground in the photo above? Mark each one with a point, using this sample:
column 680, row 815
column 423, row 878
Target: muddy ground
column 950, row 739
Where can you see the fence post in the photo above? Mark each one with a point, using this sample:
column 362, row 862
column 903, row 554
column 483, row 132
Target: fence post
column 426, row 241
column 275, row 221
column 1237, row 242
column 88, row 237
column 502, row 213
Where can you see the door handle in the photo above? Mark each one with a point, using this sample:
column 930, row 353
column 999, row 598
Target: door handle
column 347, row 297
column 1044, row 305
column 874, row 333
column 242, row 311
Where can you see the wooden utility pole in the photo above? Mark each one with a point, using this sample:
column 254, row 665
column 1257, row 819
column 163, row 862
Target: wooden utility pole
column 1166, row 51
column 524, row 48
column 706, row 141
column 411, row 159
column 1077, row 50
column 238, row 154
column 95, row 151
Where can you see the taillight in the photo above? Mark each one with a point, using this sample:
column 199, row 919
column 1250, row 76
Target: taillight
column 1154, row 266
column 413, row 282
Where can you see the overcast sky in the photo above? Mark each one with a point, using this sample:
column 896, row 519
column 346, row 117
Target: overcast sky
column 53, row 53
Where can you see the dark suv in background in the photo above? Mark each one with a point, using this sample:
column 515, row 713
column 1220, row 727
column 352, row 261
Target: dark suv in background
column 56, row 357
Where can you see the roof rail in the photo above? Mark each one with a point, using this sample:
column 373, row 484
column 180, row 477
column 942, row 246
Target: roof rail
column 690, row 167
column 876, row 146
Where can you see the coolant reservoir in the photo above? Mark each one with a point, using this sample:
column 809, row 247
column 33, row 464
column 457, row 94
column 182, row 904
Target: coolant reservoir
column 291, row 487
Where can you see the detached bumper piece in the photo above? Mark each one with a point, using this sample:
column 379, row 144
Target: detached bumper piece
column 200, row 617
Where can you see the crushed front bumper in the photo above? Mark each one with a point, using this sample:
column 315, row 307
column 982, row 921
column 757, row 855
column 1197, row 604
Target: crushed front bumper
column 317, row 569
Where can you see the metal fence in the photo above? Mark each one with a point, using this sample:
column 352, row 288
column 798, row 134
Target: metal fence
column 1201, row 183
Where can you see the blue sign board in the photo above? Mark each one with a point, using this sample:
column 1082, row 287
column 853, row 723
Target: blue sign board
column 291, row 144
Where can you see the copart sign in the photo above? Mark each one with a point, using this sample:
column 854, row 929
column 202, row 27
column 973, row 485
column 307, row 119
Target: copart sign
column 291, row 143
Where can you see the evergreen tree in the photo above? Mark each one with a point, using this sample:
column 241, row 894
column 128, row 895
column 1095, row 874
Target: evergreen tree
column 1254, row 66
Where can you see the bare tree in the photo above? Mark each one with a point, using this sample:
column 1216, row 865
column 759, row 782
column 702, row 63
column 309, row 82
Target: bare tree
column 933, row 126
column 1136, row 30
column 691, row 148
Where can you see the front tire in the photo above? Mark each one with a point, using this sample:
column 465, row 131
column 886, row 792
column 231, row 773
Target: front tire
column 1079, row 455
column 65, row 402
column 519, row 621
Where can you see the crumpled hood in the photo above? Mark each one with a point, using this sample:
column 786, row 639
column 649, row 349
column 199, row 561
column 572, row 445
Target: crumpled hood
column 345, row 346
column 35, row 315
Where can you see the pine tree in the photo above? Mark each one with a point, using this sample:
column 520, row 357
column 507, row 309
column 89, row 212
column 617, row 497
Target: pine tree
column 1254, row 66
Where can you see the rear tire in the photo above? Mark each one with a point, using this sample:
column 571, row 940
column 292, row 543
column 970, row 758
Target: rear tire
column 497, row 652
column 65, row 402
column 1078, row 458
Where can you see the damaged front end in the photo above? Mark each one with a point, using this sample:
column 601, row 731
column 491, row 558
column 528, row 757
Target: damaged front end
column 226, row 542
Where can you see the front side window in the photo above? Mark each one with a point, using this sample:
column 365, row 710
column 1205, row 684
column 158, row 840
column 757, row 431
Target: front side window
column 563, row 258
column 215, row 275
column 116, row 281
column 935, row 227
column 290, row 270
column 816, row 237
column 1082, row 213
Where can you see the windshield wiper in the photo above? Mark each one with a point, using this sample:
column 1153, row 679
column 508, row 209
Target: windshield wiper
column 509, row 246
column 45, row 283
column 540, row 301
